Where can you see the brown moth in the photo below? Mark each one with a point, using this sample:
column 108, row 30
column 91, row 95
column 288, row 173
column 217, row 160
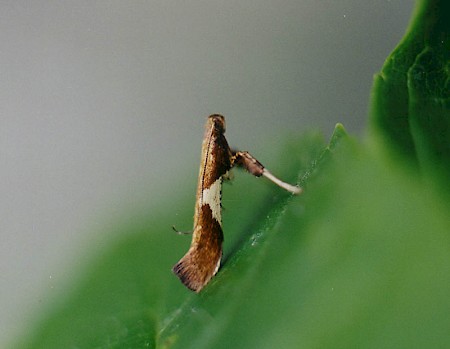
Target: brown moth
column 202, row 261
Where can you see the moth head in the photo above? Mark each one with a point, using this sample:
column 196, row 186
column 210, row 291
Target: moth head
column 217, row 121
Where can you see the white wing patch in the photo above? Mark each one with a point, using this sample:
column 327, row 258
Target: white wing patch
column 211, row 196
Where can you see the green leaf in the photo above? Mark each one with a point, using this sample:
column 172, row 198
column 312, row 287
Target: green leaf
column 332, row 269
column 359, row 260
column 411, row 95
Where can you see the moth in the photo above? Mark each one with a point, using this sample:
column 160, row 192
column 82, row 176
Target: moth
column 202, row 260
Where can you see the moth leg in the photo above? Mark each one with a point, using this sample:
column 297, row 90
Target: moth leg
column 181, row 232
column 228, row 176
column 247, row 161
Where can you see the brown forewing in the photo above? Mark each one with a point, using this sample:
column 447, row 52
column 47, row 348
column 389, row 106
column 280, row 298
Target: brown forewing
column 200, row 263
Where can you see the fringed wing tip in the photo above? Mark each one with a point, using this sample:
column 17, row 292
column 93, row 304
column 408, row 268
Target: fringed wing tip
column 186, row 276
column 192, row 275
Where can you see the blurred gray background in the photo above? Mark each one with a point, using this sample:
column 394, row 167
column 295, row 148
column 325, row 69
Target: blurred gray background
column 103, row 105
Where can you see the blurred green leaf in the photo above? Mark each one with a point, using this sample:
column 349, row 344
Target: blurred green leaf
column 359, row 260
column 128, row 293
column 411, row 95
